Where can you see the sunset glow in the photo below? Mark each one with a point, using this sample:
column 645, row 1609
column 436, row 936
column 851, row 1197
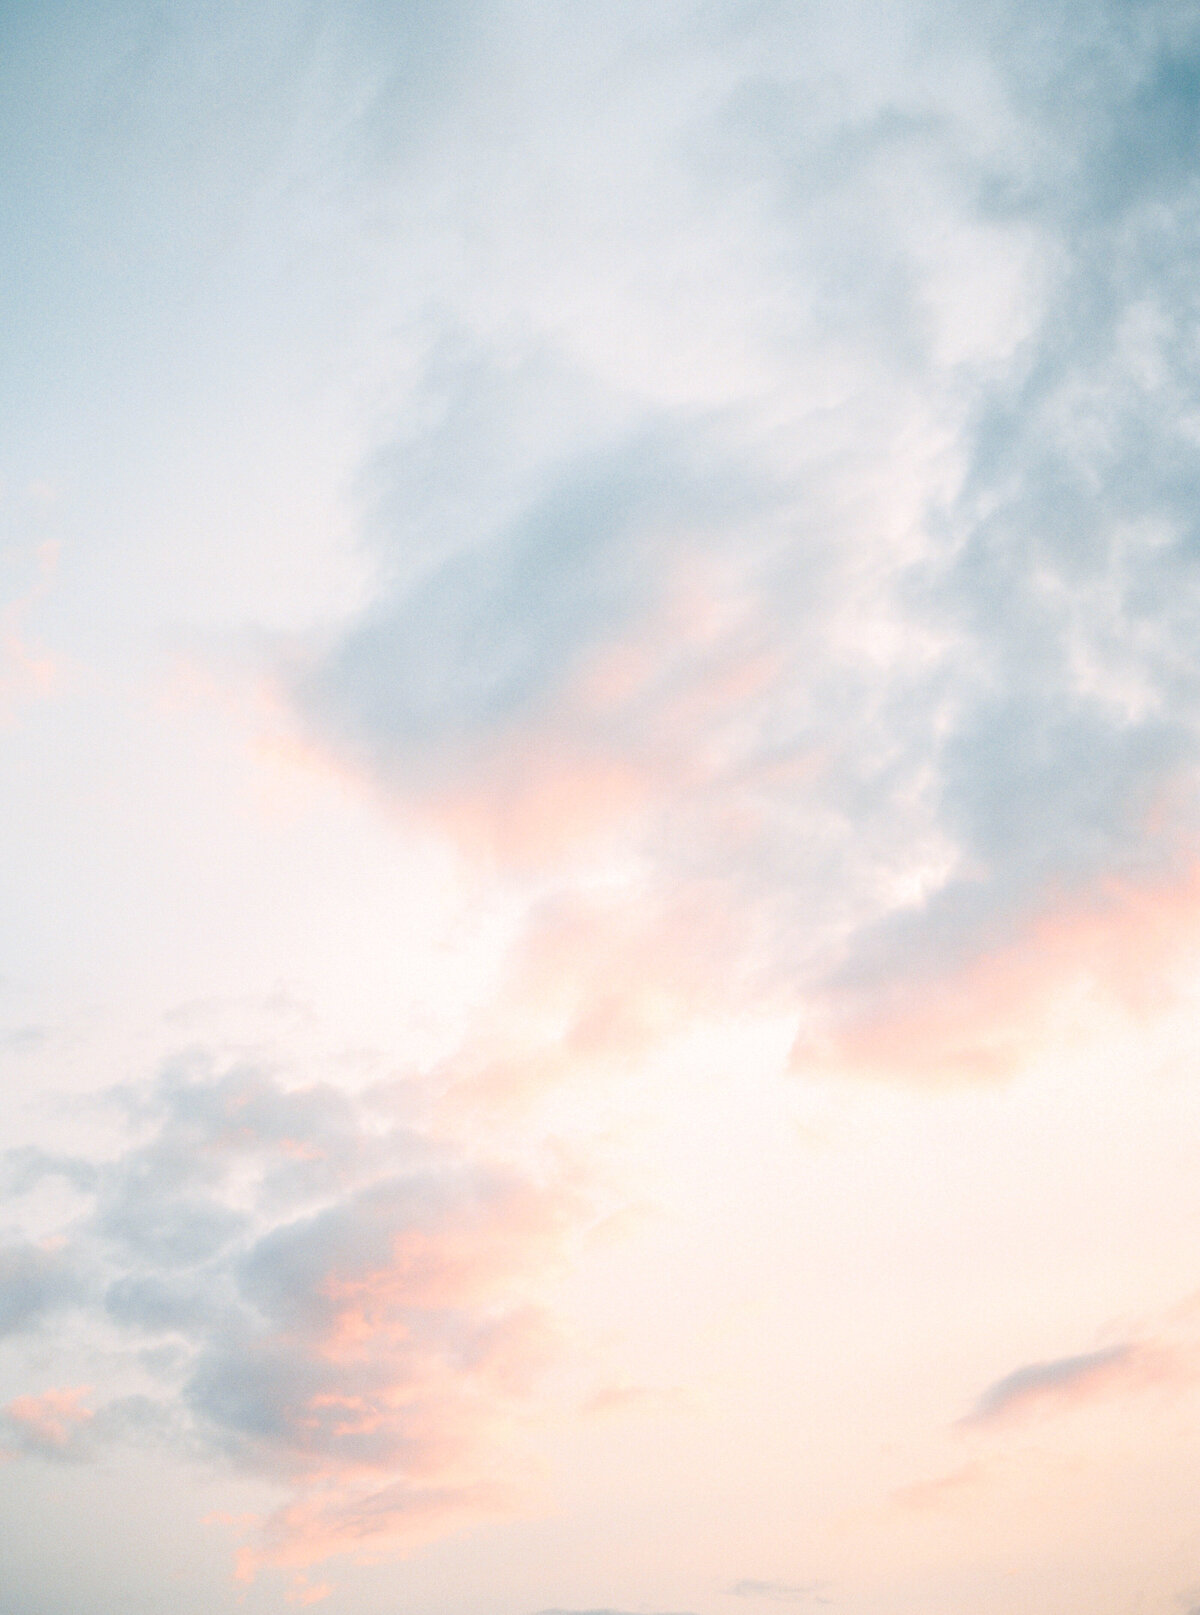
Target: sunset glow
column 600, row 728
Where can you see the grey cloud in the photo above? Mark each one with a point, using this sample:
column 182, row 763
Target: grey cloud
column 359, row 1235
column 313, row 1288
column 481, row 641
column 1062, row 1375
column 486, row 639
column 19, row 1038
column 138, row 1420
column 812, row 1592
column 156, row 1304
column 35, row 1282
column 1068, row 577
column 252, row 1403
column 175, row 1229
column 165, row 1199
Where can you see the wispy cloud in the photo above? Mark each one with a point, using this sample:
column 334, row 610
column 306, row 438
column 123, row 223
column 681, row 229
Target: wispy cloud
column 1066, row 1382
column 52, row 1425
column 809, row 1592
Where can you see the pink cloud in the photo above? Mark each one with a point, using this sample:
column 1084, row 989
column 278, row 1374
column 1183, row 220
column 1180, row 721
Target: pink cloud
column 346, row 1521
column 1121, row 944
column 943, row 1490
column 50, row 1423
column 595, row 984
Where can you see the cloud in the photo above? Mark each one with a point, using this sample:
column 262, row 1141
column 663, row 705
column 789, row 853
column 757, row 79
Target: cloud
column 1067, row 1382
column 1123, row 943
column 645, row 1399
column 16, row 1039
column 476, row 646
column 810, row 1592
column 1163, row 1358
column 317, row 1294
column 53, row 1425
column 804, row 528
column 784, row 551
column 35, row 1282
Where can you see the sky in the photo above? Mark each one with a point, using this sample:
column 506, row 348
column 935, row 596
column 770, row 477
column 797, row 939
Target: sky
column 600, row 802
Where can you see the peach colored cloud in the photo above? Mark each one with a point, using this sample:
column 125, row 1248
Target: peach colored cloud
column 540, row 801
column 50, row 1422
column 752, row 877
column 366, row 1525
column 943, row 1489
column 1121, row 944
column 407, row 1375
column 597, row 982
column 618, row 1399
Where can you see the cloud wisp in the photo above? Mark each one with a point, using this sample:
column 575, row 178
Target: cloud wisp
column 782, row 1592
column 1068, row 1382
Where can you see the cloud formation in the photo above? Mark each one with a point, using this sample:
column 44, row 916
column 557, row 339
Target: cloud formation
column 311, row 1290
column 859, row 614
